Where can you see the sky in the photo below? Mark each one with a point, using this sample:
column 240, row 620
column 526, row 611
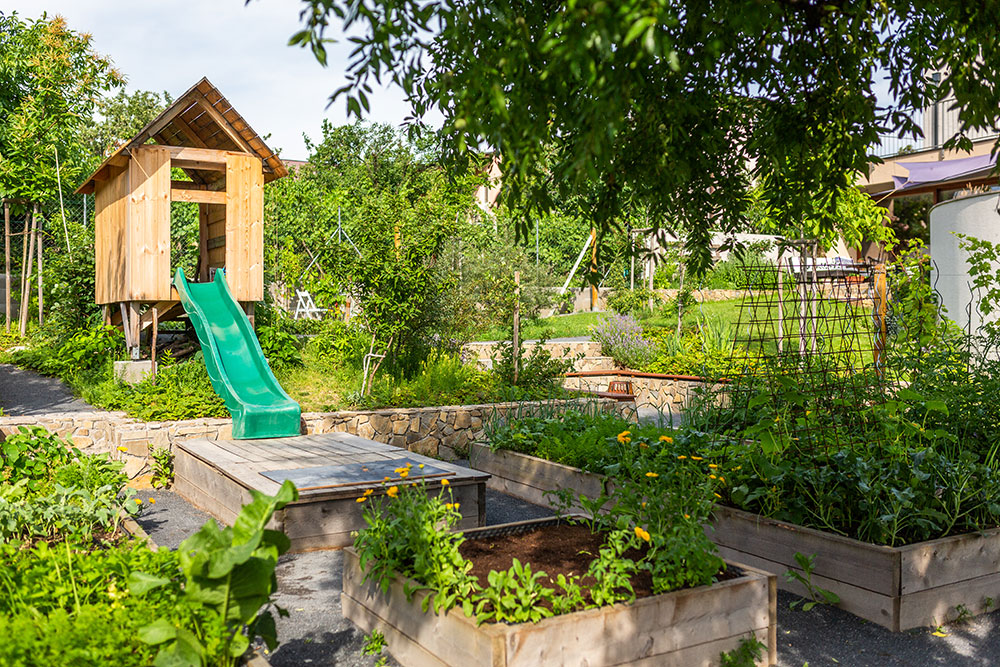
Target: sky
column 168, row 45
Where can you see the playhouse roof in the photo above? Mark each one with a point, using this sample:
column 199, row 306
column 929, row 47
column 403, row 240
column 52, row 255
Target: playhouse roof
column 200, row 118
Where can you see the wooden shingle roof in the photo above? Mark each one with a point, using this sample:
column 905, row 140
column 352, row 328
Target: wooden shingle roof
column 200, row 118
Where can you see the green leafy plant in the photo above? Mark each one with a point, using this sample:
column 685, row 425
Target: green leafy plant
column 514, row 596
column 32, row 454
column 817, row 595
column 374, row 643
column 747, row 654
column 229, row 571
column 162, row 463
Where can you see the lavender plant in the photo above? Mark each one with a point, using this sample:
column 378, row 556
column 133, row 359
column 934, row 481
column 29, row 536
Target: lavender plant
column 621, row 339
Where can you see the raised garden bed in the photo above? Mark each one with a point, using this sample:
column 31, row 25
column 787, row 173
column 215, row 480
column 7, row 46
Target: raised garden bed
column 685, row 627
column 899, row 588
column 928, row 583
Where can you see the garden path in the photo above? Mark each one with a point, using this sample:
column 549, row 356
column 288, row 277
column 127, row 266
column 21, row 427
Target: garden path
column 316, row 633
column 27, row 393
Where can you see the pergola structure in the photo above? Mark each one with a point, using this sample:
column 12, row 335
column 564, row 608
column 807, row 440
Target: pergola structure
column 228, row 164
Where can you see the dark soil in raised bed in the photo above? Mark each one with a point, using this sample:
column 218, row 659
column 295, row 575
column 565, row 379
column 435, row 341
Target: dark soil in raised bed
column 565, row 549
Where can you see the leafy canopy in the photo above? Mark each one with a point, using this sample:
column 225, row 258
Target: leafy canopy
column 50, row 81
column 664, row 104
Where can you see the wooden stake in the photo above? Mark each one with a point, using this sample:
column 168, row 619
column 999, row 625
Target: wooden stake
column 881, row 288
column 781, row 305
column 26, row 291
column 38, row 243
column 24, row 262
column 133, row 325
column 517, row 324
column 594, row 296
column 6, row 257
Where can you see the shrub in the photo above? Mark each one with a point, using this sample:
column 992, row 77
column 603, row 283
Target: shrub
column 625, row 301
column 621, row 339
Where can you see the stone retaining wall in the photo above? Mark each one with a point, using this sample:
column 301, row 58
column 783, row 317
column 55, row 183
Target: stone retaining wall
column 442, row 431
column 674, row 392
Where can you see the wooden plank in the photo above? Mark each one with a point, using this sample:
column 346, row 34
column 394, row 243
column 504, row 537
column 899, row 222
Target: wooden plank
column 401, row 647
column 949, row 560
column 110, row 242
column 937, row 606
column 223, row 492
column 225, row 125
column 148, row 238
column 245, row 227
column 533, row 472
column 189, row 154
column 197, row 196
column 855, row 563
column 209, row 450
column 202, row 272
column 874, row 607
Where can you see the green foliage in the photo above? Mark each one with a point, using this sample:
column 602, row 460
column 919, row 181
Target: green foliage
column 747, row 654
column 162, row 463
column 442, row 379
column 984, row 265
column 51, row 80
column 374, row 643
column 122, row 117
column 32, row 455
column 632, row 301
column 574, row 437
column 654, row 105
column 538, row 372
column 514, row 596
column 229, row 572
column 817, row 595
column 280, row 347
column 409, row 531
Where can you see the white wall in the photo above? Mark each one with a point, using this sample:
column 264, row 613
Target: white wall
column 976, row 216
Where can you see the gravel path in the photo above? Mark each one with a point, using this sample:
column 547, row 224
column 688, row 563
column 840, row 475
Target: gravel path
column 27, row 393
column 309, row 586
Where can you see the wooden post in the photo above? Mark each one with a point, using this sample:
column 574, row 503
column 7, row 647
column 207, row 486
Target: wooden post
column 880, row 288
column 152, row 344
column 594, row 296
column 781, row 305
column 38, row 244
column 133, row 325
column 803, row 299
column 814, row 286
column 24, row 262
column 201, row 271
column 26, row 281
column 517, row 324
column 6, row 257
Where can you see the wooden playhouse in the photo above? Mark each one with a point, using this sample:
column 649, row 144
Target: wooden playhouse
column 228, row 164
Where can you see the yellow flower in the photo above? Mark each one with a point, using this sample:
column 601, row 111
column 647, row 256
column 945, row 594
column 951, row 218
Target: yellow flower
column 122, row 448
column 712, row 466
column 361, row 499
column 404, row 474
column 386, row 478
column 448, row 506
column 368, row 492
column 392, row 492
column 721, row 478
column 400, row 471
column 651, row 474
column 445, row 482
column 641, row 534
column 408, row 465
column 687, row 516
column 666, row 438
column 681, row 457
column 717, row 496
column 643, row 445
column 457, row 505
column 808, row 412
column 712, row 477
column 152, row 501
column 738, row 468
column 697, row 458
column 138, row 501
column 421, row 466
column 623, row 437
column 644, row 504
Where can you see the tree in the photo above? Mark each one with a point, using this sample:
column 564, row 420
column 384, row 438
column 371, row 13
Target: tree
column 665, row 103
column 121, row 118
column 50, row 81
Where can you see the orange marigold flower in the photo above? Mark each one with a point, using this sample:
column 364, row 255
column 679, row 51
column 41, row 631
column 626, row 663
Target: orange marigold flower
column 651, row 474
column 623, row 437
column 697, row 458
column 361, row 499
column 666, row 438
column 445, row 482
column 642, row 534
column 368, row 492
column 392, row 492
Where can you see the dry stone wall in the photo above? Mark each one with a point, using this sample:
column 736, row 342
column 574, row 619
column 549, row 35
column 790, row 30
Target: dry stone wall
column 444, row 431
column 663, row 392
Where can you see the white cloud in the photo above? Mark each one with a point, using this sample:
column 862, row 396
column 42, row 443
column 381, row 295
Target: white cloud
column 242, row 49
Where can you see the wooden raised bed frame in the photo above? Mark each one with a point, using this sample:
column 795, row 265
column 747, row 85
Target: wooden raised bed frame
column 899, row 588
column 678, row 629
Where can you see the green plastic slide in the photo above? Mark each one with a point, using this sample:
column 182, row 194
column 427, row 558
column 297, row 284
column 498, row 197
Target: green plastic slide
column 235, row 362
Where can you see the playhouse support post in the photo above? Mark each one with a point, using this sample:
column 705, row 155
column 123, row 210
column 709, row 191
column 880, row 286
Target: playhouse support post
column 133, row 326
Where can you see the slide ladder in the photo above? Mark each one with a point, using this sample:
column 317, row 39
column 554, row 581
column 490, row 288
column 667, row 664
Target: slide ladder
column 235, row 362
